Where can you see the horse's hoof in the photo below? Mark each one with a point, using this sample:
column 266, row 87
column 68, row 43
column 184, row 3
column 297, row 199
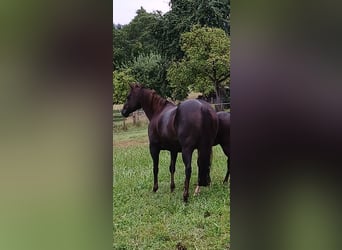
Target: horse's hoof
column 185, row 197
column 225, row 180
column 197, row 190
column 155, row 189
column 172, row 188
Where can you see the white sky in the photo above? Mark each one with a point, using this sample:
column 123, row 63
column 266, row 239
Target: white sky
column 125, row 10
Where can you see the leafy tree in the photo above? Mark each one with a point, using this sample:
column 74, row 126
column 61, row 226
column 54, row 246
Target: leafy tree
column 179, row 76
column 171, row 25
column 206, row 65
column 148, row 70
column 121, row 50
column 121, row 80
column 213, row 13
column 151, row 42
column 182, row 16
column 135, row 38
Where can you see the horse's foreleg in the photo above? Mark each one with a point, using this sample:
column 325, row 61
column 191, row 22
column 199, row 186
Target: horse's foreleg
column 187, row 157
column 155, row 156
column 173, row 169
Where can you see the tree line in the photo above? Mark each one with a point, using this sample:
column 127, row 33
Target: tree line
column 186, row 49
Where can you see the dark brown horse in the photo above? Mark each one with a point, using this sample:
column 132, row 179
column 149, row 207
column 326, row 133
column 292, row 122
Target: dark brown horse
column 191, row 125
column 223, row 137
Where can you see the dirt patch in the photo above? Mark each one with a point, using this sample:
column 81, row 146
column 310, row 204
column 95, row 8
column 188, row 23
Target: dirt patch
column 130, row 143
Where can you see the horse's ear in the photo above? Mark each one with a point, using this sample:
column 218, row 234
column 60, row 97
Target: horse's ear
column 130, row 85
column 138, row 85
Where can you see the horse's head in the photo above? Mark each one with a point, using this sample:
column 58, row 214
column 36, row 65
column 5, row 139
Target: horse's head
column 133, row 100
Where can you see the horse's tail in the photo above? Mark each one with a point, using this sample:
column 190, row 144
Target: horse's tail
column 210, row 127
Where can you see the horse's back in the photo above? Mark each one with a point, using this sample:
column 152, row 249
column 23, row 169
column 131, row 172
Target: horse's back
column 196, row 121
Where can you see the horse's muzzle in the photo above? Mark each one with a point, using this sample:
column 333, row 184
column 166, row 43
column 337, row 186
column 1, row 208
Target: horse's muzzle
column 124, row 112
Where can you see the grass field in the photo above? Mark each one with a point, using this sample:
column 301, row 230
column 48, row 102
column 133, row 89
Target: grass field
column 146, row 220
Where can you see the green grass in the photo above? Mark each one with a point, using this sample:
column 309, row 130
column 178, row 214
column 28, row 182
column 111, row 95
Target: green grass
column 134, row 133
column 146, row 220
column 118, row 123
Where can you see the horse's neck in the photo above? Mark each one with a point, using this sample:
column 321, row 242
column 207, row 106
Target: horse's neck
column 152, row 104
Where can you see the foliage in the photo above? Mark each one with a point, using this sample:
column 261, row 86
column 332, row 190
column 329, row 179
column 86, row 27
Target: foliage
column 206, row 65
column 148, row 70
column 121, row 79
column 152, row 34
column 129, row 41
column 179, row 76
column 213, row 13
column 121, row 51
column 145, row 69
column 182, row 16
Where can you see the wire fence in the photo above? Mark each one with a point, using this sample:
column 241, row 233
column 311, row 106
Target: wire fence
column 137, row 118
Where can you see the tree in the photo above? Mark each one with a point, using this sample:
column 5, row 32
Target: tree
column 148, row 70
column 179, row 76
column 135, row 38
column 121, row 50
column 182, row 16
column 206, row 65
column 151, row 34
column 121, row 80
column 145, row 69
column 213, row 13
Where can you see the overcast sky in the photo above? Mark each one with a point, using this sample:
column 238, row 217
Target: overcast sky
column 125, row 10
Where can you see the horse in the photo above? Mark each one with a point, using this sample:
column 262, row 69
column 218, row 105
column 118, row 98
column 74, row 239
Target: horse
column 190, row 125
column 223, row 137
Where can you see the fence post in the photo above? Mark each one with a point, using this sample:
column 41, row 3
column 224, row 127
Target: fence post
column 124, row 124
column 134, row 118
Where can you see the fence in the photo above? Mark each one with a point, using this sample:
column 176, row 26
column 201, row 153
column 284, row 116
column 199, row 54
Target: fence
column 122, row 123
column 221, row 106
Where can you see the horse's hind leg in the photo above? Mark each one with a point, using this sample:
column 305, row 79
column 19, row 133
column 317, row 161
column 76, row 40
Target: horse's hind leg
column 204, row 162
column 187, row 157
column 173, row 169
column 226, row 149
column 227, row 174
column 154, row 150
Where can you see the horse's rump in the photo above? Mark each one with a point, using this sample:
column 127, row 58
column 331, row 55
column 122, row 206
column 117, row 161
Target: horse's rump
column 196, row 125
column 223, row 133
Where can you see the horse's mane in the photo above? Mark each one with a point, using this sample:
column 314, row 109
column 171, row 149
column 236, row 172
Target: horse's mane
column 157, row 102
column 158, row 99
column 154, row 99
